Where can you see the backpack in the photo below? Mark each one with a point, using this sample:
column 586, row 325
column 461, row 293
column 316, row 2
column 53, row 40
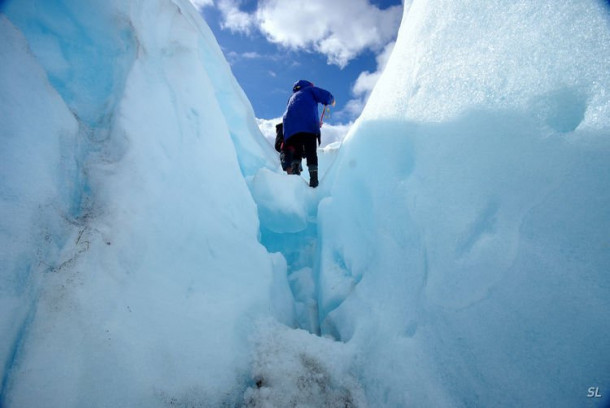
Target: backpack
column 279, row 136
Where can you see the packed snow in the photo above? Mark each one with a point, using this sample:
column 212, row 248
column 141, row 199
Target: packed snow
column 464, row 242
column 455, row 254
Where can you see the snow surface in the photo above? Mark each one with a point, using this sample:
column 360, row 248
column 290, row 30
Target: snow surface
column 153, row 254
column 293, row 368
column 464, row 242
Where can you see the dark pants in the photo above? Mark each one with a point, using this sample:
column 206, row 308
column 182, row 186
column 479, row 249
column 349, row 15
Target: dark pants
column 304, row 145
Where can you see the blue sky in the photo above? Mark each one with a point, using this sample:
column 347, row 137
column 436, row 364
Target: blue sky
column 337, row 44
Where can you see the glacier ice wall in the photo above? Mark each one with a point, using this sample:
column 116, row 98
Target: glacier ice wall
column 37, row 134
column 131, row 267
column 464, row 244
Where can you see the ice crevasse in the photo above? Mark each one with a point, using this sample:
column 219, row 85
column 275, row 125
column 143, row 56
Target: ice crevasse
column 455, row 254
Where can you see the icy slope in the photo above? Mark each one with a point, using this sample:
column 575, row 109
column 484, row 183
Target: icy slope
column 131, row 268
column 464, row 245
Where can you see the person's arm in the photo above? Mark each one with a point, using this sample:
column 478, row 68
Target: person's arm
column 323, row 96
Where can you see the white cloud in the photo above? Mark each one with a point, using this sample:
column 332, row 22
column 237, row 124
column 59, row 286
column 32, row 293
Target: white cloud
column 199, row 4
column 366, row 82
column 267, row 127
column 251, row 55
column 235, row 57
column 233, row 18
column 353, row 108
column 339, row 29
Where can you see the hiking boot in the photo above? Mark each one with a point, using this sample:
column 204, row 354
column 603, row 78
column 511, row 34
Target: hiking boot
column 296, row 167
column 313, row 178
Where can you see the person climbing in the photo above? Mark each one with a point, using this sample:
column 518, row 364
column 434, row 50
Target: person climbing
column 301, row 126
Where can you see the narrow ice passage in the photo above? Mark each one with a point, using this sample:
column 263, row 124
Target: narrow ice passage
column 288, row 212
column 296, row 363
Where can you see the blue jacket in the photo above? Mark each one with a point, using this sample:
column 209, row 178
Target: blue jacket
column 302, row 111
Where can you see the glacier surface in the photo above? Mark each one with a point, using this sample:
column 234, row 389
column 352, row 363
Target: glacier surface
column 153, row 254
column 131, row 266
column 464, row 242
